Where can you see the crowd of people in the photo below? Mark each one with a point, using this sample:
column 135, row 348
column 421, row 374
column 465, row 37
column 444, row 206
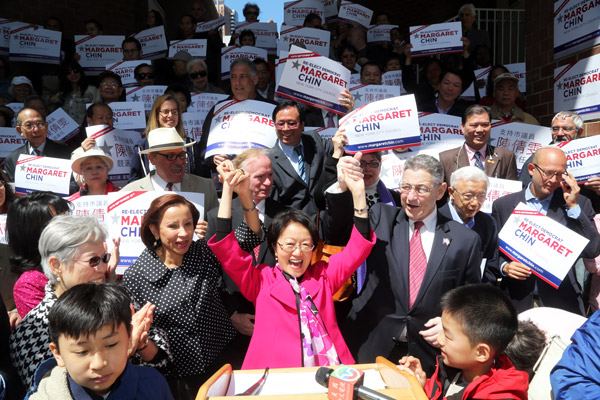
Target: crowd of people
column 247, row 282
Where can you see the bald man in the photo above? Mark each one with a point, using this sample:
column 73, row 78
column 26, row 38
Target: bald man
column 553, row 192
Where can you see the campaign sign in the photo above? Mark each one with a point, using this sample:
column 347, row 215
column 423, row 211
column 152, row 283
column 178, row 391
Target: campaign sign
column 97, row 51
column 61, row 127
column 330, row 10
column 547, row 247
column 365, row 94
column 279, row 66
column 154, row 42
column 436, row 39
column 294, row 12
column 7, row 26
column 117, row 144
column 315, row 40
column 192, row 124
column 125, row 70
column 195, row 47
column 577, row 87
column 10, row 140
column 145, row 94
column 354, row 80
column 128, row 115
column 519, row 70
column 521, row 139
column 352, row 12
column 16, row 107
column 480, row 75
column 314, row 80
column 498, row 188
column 265, row 33
column 210, row 25
column 379, row 33
column 231, row 53
column 583, row 157
column 240, row 125
column 439, row 132
column 34, row 173
column 3, row 238
column 35, row 45
column 124, row 215
column 576, row 26
column 90, row 206
column 393, row 78
column 383, row 125
column 326, row 133
column 203, row 102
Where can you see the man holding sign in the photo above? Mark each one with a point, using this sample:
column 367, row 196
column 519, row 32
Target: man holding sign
column 553, row 192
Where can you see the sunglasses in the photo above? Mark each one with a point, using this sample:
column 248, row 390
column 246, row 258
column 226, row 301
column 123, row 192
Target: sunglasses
column 145, row 75
column 73, row 71
column 95, row 261
column 195, row 75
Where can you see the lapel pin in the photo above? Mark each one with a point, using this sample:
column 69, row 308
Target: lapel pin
column 446, row 241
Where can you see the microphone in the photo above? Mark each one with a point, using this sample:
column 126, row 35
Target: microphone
column 345, row 383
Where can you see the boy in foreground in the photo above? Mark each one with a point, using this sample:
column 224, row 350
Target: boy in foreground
column 90, row 335
column 478, row 323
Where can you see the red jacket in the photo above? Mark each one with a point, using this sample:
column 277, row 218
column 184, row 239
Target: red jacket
column 108, row 189
column 501, row 382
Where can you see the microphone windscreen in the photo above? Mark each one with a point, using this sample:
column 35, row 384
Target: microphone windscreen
column 322, row 376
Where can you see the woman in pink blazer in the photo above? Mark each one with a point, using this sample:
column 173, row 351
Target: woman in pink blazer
column 295, row 318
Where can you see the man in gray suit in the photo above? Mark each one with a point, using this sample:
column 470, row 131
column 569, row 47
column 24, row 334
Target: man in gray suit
column 166, row 152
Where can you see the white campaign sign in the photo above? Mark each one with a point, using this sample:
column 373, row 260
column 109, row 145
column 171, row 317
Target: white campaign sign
column 379, row 33
column 294, row 12
column 577, row 87
column 315, row 40
column 231, row 53
column 33, row 173
column 547, row 247
column 383, row 125
column 10, row 140
column 153, row 41
column 265, row 33
column 125, row 70
column 365, row 94
column 583, row 157
column 117, row 144
column 129, row 115
column 61, row 127
column 352, row 12
column 97, row 51
column 240, row 125
column 576, row 25
column 90, row 206
column 436, row 39
column 203, row 102
column 393, row 78
column 35, row 45
column 192, row 124
column 210, row 25
column 6, row 27
column 3, row 238
column 498, row 188
column 195, row 47
column 145, row 94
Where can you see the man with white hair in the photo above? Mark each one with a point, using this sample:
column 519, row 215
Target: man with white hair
column 467, row 16
column 198, row 73
column 467, row 190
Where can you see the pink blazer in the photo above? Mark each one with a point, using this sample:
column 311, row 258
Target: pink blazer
column 276, row 339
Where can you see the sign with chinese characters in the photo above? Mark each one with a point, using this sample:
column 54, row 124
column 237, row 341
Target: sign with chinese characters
column 61, row 127
column 34, row 173
column 35, row 45
column 145, row 94
column 577, row 87
column 203, row 102
column 393, row 78
column 436, row 39
column 192, row 124
column 97, row 51
column 365, row 94
column 498, row 188
column 117, row 144
column 90, row 206
column 576, row 25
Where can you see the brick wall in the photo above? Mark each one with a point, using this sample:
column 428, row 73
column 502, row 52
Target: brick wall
column 541, row 64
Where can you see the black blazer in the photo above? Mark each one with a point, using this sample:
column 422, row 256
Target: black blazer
column 568, row 295
column 380, row 312
column 457, row 109
column 485, row 227
column 52, row 149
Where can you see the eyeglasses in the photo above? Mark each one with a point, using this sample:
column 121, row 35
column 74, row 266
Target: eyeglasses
column 172, row 156
column 291, row 247
column 111, row 85
column 165, row 113
column 73, row 71
column 469, row 196
column 564, row 128
column 550, row 175
column 372, row 164
column 22, row 89
column 95, row 261
column 290, row 124
column 145, row 75
column 195, row 75
column 30, row 125
column 420, row 190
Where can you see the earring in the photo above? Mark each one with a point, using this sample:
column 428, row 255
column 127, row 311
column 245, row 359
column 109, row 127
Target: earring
column 57, row 278
column 157, row 243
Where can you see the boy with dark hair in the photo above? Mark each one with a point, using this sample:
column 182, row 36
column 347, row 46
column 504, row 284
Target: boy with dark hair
column 526, row 347
column 90, row 338
column 478, row 321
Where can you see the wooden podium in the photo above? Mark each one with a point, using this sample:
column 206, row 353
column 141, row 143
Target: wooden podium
column 300, row 384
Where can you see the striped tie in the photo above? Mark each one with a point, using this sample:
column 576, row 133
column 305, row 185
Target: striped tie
column 478, row 162
column 301, row 167
column 417, row 263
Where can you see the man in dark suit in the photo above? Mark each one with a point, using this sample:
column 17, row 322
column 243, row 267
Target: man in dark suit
column 32, row 125
column 419, row 255
column 299, row 158
column 495, row 162
column 468, row 188
column 555, row 193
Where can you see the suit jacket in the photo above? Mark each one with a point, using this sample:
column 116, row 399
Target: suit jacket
column 485, row 227
column 314, row 117
column 52, row 149
column 499, row 163
column 457, row 109
column 568, row 294
column 190, row 183
column 288, row 188
column 380, row 312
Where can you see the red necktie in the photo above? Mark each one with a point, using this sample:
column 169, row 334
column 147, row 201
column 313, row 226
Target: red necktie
column 417, row 263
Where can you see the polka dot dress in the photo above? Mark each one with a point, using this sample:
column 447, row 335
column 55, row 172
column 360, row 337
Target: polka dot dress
column 372, row 198
column 188, row 305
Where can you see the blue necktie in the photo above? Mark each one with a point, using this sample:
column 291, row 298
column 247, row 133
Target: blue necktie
column 301, row 169
column 478, row 162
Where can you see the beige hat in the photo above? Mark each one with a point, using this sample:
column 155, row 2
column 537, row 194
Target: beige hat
column 505, row 76
column 93, row 152
column 161, row 139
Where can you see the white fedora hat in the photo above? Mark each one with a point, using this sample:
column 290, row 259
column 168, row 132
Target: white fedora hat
column 93, row 152
column 161, row 139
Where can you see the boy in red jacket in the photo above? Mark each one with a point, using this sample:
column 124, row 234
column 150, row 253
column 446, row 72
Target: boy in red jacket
column 478, row 323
